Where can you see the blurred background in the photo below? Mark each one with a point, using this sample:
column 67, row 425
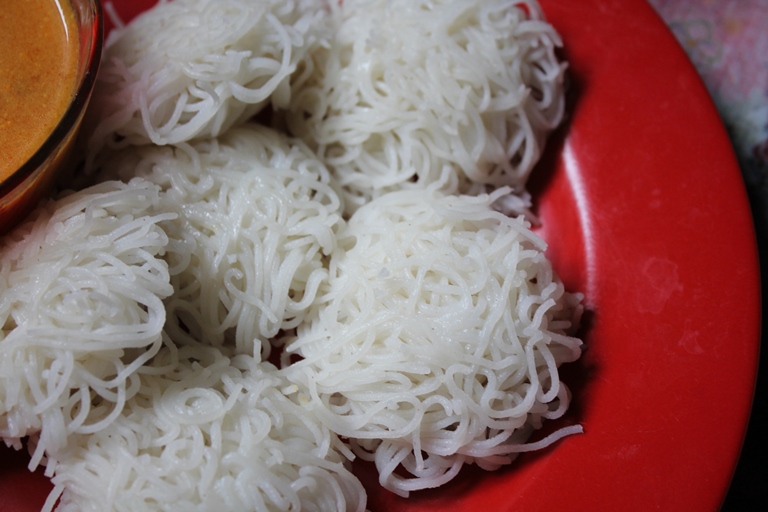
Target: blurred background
column 727, row 41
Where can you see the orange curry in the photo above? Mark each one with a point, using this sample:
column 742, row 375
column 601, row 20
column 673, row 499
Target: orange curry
column 38, row 67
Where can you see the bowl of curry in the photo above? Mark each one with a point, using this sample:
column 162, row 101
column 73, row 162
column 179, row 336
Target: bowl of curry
column 49, row 56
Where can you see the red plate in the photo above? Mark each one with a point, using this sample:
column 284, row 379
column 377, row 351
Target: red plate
column 645, row 211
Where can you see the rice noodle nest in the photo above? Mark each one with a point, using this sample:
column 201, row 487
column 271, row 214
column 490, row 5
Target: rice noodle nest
column 189, row 69
column 81, row 289
column 208, row 430
column 437, row 338
column 411, row 88
column 257, row 213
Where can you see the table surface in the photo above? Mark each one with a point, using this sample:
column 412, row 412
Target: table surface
column 727, row 42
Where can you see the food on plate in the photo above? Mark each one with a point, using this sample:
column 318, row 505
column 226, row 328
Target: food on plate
column 193, row 68
column 437, row 338
column 208, row 432
column 257, row 214
column 233, row 308
column 38, row 69
column 81, row 290
column 410, row 88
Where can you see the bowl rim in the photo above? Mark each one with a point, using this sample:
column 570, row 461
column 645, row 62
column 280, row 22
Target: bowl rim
column 73, row 113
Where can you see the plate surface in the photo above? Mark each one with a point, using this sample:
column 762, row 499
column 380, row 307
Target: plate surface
column 644, row 208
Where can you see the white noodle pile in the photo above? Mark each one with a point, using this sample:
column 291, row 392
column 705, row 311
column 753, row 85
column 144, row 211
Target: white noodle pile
column 411, row 87
column 208, row 433
column 438, row 338
column 426, row 331
column 193, row 68
column 81, row 289
column 259, row 214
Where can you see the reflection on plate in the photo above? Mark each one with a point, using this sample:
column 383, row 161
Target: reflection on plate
column 644, row 208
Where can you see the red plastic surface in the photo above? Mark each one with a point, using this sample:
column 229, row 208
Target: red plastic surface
column 645, row 211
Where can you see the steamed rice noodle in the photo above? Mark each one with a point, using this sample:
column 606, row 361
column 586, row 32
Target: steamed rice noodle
column 81, row 290
column 437, row 339
column 258, row 214
column 193, row 68
column 208, row 432
column 410, row 88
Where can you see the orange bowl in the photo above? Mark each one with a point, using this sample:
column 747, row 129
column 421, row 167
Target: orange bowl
column 22, row 188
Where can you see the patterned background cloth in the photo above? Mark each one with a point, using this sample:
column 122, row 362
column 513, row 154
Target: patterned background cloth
column 727, row 41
